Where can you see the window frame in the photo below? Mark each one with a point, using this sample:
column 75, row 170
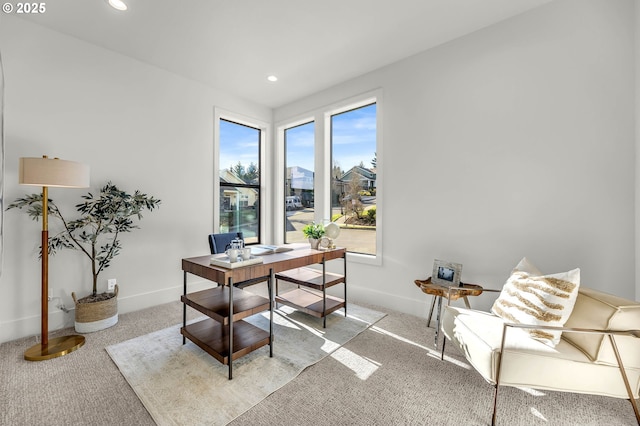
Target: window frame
column 322, row 181
column 263, row 177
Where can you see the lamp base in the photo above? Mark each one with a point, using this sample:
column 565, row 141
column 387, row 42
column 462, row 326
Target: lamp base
column 57, row 347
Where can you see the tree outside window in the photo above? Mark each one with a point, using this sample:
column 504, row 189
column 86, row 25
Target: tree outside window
column 239, row 166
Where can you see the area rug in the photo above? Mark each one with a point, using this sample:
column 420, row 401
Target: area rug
column 181, row 384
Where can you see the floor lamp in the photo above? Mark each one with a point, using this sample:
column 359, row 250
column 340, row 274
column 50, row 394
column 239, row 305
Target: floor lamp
column 46, row 172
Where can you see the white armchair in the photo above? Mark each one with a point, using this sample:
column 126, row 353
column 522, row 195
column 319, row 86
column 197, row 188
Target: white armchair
column 599, row 352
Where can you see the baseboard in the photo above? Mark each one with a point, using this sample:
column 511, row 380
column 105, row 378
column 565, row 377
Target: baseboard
column 417, row 306
column 30, row 326
column 159, row 297
column 58, row 319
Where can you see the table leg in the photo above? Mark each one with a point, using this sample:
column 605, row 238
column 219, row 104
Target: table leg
column 277, row 290
column 230, row 328
column 271, row 303
column 433, row 303
column 438, row 320
column 466, row 302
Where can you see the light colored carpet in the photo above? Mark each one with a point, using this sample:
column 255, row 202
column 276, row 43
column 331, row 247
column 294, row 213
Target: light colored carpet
column 389, row 374
column 181, row 384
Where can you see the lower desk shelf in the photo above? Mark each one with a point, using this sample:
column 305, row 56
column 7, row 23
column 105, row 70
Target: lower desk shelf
column 213, row 338
column 212, row 335
column 310, row 302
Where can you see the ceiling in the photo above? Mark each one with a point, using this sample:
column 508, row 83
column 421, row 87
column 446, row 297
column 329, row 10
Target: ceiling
column 309, row 45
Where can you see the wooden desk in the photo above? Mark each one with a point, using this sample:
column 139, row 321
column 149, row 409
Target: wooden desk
column 227, row 305
column 451, row 293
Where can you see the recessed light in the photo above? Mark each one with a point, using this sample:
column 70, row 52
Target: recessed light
column 272, row 78
column 118, row 4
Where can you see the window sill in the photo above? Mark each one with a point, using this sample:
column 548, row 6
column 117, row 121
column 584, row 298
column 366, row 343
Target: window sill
column 366, row 259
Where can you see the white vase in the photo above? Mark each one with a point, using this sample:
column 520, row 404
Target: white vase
column 314, row 243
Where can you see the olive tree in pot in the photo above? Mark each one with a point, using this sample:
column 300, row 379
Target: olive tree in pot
column 95, row 233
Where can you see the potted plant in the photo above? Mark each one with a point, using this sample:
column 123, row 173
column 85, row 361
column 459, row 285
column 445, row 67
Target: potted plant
column 95, row 233
column 313, row 231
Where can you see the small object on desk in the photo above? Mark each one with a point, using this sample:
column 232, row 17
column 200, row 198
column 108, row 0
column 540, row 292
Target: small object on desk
column 233, row 254
column 262, row 249
column 332, row 231
column 224, row 261
column 246, row 253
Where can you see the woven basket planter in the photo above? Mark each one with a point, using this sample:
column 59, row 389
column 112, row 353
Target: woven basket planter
column 95, row 316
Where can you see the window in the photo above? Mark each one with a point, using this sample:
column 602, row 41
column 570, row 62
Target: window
column 239, row 169
column 334, row 151
column 299, row 143
column 354, row 177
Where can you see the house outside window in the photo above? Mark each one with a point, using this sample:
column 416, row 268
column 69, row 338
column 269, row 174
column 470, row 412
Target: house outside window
column 354, row 177
column 299, row 199
column 347, row 143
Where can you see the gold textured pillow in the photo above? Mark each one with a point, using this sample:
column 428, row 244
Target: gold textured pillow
column 528, row 297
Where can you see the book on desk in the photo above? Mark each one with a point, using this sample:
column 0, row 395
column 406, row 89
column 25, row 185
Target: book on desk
column 262, row 249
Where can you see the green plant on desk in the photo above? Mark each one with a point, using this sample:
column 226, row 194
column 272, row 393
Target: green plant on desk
column 313, row 230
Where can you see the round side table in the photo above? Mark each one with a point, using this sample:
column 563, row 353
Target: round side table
column 439, row 291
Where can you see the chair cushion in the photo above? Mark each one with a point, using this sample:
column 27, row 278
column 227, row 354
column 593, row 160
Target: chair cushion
column 603, row 311
column 529, row 297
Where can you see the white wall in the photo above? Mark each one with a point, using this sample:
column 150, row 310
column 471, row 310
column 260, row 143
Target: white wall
column 139, row 126
column 637, row 118
column 517, row 140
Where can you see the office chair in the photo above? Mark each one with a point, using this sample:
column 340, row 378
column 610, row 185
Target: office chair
column 219, row 243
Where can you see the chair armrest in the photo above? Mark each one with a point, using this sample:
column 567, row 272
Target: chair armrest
column 632, row 332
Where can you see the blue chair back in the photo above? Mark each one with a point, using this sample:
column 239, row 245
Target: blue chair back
column 218, row 243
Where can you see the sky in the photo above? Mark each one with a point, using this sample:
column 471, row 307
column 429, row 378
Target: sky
column 299, row 146
column 238, row 143
column 353, row 137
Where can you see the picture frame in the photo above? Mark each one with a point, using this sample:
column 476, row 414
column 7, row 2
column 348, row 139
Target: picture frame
column 446, row 273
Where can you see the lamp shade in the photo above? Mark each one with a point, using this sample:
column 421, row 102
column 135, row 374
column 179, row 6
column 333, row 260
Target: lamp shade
column 53, row 172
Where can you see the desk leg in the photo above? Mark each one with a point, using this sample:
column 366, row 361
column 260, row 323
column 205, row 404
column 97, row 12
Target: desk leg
column 345, row 284
column 272, row 277
column 324, row 293
column 230, row 328
column 433, row 303
column 184, row 307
